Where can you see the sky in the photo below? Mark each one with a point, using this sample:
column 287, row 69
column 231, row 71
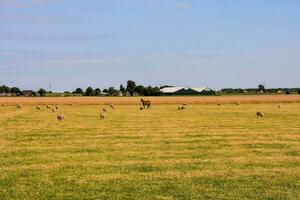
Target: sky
column 65, row 44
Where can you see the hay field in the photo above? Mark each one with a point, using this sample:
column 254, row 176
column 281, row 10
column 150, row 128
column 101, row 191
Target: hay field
column 156, row 100
column 203, row 152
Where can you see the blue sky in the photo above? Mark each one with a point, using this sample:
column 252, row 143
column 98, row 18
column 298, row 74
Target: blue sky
column 101, row 43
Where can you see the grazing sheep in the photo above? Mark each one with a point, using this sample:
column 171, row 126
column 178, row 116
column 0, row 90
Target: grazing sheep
column 38, row 107
column 279, row 106
column 60, row 117
column 3, row 104
column 141, row 108
column 260, row 114
column 237, row 103
column 104, row 110
column 56, row 107
column 53, row 109
column 19, row 106
column 184, row 104
column 180, row 108
column 112, row 106
column 49, row 107
column 102, row 115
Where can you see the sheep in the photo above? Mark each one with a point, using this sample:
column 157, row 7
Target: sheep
column 56, row 107
column 279, row 106
column 53, row 109
column 104, row 110
column 49, row 107
column 237, row 103
column 60, row 117
column 38, row 107
column 260, row 114
column 3, row 104
column 102, row 115
column 141, row 108
column 112, row 106
column 180, row 108
column 219, row 104
column 19, row 106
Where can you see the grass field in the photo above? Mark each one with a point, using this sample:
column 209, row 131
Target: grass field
column 203, row 152
column 256, row 99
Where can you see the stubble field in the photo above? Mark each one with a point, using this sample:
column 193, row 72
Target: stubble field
column 203, row 152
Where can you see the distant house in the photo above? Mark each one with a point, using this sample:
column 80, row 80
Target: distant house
column 103, row 93
column 187, row 91
column 28, row 93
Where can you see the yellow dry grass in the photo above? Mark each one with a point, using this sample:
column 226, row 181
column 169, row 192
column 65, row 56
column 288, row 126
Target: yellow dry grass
column 154, row 100
column 203, row 152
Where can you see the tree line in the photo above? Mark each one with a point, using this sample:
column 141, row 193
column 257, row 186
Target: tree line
column 132, row 89
column 260, row 89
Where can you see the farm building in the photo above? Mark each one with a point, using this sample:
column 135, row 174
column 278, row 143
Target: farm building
column 187, row 91
column 28, row 93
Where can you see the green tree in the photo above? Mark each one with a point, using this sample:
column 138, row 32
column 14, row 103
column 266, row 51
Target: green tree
column 152, row 91
column 261, row 87
column 15, row 90
column 89, row 91
column 130, row 86
column 41, row 92
column 139, row 89
column 78, row 91
column 122, row 89
column 97, row 92
column 105, row 90
column 112, row 91
column 4, row 89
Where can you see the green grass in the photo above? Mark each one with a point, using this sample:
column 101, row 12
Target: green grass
column 204, row 152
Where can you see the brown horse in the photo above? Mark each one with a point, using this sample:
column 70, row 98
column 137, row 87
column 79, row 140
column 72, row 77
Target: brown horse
column 146, row 103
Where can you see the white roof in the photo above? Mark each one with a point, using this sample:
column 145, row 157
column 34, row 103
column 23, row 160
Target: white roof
column 200, row 89
column 175, row 89
column 171, row 89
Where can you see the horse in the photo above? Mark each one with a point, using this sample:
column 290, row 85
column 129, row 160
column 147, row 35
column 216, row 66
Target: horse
column 146, row 103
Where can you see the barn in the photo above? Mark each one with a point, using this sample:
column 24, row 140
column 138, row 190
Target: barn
column 187, row 91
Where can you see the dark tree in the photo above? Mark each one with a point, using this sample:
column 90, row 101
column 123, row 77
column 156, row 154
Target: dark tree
column 105, row 90
column 89, row 91
column 122, row 89
column 97, row 92
column 4, row 89
column 130, row 87
column 139, row 89
column 78, row 91
column 15, row 90
column 152, row 91
column 41, row 92
column 112, row 91
column 261, row 87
